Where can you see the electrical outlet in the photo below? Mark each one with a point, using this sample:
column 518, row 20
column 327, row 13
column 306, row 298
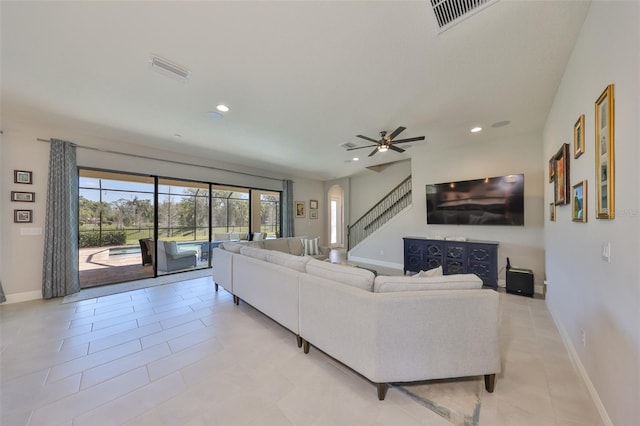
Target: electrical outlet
column 583, row 338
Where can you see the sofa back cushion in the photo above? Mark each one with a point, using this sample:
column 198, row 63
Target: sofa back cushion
column 295, row 246
column 298, row 263
column 349, row 275
column 255, row 252
column 278, row 244
column 221, row 236
column 446, row 282
column 170, row 247
column 232, row 247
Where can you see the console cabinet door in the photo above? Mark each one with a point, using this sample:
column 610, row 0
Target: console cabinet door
column 483, row 260
column 456, row 258
column 413, row 255
column 434, row 253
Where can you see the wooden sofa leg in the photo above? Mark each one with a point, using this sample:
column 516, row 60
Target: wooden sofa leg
column 216, row 284
column 299, row 340
column 382, row 391
column 236, row 299
column 305, row 346
column 489, row 382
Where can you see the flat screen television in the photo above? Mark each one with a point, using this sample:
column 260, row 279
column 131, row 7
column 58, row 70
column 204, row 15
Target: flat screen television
column 488, row 201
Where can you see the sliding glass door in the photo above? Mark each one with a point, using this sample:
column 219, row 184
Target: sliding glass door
column 183, row 225
column 116, row 213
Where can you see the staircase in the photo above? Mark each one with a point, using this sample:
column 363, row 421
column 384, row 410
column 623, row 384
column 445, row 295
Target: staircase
column 390, row 205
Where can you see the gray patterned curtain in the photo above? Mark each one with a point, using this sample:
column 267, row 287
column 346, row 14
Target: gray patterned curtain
column 287, row 208
column 60, row 268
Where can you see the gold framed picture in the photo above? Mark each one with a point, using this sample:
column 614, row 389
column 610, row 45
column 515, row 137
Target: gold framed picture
column 300, row 209
column 552, row 212
column 561, row 181
column 605, row 170
column 579, row 202
column 578, row 137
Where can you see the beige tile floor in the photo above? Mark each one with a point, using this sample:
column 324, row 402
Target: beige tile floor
column 182, row 354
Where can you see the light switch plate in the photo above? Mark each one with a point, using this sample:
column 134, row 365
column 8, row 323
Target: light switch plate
column 606, row 252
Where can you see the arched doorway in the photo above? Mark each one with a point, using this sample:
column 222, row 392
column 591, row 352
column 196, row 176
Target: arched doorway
column 335, row 214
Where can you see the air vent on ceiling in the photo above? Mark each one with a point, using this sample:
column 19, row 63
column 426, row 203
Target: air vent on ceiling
column 450, row 12
column 168, row 68
column 348, row 145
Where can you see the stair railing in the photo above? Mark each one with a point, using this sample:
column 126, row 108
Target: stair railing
column 390, row 205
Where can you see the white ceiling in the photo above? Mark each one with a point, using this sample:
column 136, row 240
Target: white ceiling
column 301, row 77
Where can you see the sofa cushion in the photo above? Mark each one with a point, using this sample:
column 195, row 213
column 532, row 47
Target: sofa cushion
column 278, row 244
column 311, row 246
column 349, row 275
column 170, row 247
column 298, row 263
column 232, row 247
column 385, row 284
column 255, row 252
column 295, row 246
column 435, row 272
column 221, row 236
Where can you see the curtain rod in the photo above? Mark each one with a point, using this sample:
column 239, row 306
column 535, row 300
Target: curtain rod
column 166, row 161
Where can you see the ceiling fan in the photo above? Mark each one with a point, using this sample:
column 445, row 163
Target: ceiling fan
column 386, row 142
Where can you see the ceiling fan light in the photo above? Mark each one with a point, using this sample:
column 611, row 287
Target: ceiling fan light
column 383, row 148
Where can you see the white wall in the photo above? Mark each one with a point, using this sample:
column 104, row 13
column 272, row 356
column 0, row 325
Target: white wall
column 436, row 164
column 369, row 186
column 21, row 260
column 584, row 292
column 306, row 190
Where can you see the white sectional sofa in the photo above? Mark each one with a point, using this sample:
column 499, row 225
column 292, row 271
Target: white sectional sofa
column 389, row 329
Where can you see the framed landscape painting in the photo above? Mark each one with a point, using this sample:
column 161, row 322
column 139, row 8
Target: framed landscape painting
column 579, row 202
column 605, row 190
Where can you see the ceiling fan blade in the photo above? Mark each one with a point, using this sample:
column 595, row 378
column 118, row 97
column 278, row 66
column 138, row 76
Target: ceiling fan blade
column 373, row 152
column 367, row 138
column 395, row 148
column 417, row 138
column 396, row 132
column 360, row 147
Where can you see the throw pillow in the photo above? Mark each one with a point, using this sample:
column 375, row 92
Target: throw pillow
column 311, row 247
column 435, row 272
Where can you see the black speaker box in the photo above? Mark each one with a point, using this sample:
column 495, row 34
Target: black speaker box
column 520, row 281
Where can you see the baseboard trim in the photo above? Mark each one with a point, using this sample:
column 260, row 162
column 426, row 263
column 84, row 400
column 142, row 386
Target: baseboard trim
column 376, row 262
column 577, row 364
column 23, row 297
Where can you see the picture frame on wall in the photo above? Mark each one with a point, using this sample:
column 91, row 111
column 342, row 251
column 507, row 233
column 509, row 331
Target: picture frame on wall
column 300, row 210
column 24, row 197
column 313, row 214
column 552, row 168
column 22, row 176
column 552, row 212
column 23, row 216
column 578, row 137
column 313, row 204
column 579, row 202
column 605, row 167
column 561, row 188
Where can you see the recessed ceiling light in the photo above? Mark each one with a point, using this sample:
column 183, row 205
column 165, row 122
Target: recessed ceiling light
column 222, row 108
column 177, row 135
column 476, row 129
column 356, row 159
column 215, row 115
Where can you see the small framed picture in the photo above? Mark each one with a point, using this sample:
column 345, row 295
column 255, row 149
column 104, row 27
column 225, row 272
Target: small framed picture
column 23, row 216
column 313, row 204
column 552, row 212
column 21, row 176
column 579, row 202
column 552, row 168
column 578, row 137
column 300, row 209
column 605, row 170
column 313, row 214
column 561, row 181
column 25, row 197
